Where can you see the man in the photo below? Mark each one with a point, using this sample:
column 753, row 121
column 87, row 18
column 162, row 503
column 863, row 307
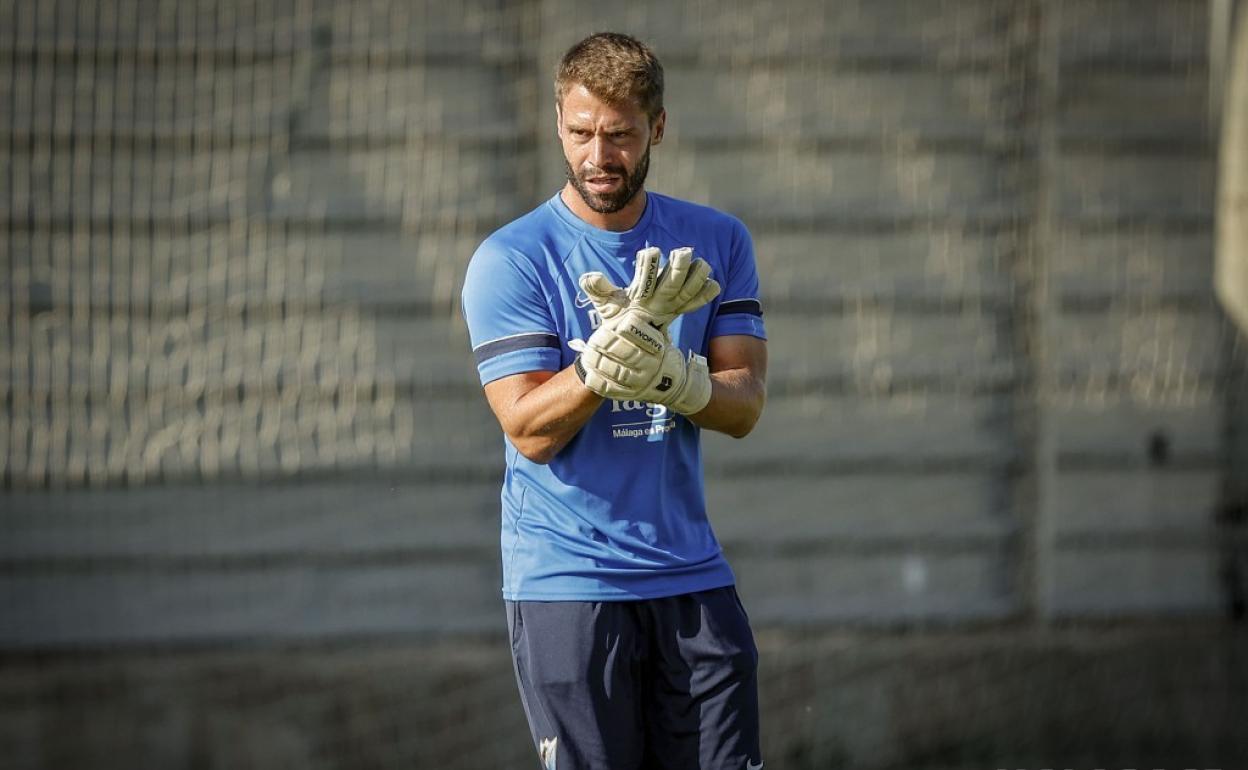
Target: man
column 630, row 645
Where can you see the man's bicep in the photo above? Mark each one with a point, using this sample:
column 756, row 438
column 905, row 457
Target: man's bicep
column 738, row 351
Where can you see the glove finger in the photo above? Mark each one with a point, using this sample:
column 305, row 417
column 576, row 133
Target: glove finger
column 605, row 387
column 698, row 273
column 622, row 347
column 681, row 257
column 644, row 274
column 625, row 378
column 599, row 288
column 629, row 342
column 590, row 373
column 609, row 300
column 672, row 279
column 625, row 353
column 709, row 291
column 616, row 377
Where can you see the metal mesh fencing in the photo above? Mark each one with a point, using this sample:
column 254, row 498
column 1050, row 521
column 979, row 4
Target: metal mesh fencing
column 250, row 481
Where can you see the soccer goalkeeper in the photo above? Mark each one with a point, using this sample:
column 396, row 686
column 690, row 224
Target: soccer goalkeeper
column 610, row 325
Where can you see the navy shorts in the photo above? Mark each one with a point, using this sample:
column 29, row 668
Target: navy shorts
column 658, row 684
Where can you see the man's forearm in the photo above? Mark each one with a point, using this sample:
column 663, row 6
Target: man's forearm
column 737, row 399
column 540, row 419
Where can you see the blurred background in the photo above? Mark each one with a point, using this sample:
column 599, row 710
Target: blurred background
column 993, row 515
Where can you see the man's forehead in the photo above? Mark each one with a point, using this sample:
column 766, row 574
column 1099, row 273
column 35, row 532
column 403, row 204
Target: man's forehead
column 595, row 119
column 582, row 106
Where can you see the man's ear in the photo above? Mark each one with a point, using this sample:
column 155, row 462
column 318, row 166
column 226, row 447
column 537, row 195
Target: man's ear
column 558, row 120
column 657, row 128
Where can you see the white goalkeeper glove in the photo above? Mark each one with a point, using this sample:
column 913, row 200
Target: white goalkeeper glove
column 682, row 286
column 630, row 355
column 628, row 362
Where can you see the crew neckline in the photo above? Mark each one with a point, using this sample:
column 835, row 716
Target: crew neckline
column 597, row 233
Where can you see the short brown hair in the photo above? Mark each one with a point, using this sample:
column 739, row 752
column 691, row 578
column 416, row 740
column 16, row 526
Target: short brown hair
column 615, row 68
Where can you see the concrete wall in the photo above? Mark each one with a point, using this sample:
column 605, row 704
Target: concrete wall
column 234, row 241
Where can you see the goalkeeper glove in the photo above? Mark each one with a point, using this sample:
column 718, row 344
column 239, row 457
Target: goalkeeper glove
column 630, row 355
column 613, row 366
column 682, row 286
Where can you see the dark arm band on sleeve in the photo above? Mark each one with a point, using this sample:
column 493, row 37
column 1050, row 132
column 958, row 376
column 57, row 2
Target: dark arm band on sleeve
column 748, row 306
column 489, row 350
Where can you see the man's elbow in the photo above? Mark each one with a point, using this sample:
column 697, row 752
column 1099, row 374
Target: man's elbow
column 742, row 428
column 748, row 418
column 537, row 449
column 744, row 423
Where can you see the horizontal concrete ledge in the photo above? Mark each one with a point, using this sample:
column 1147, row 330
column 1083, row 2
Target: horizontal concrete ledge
column 254, row 305
column 852, row 54
column 1012, row 141
column 1075, row 634
column 104, row 566
column 1156, row 221
column 490, row 468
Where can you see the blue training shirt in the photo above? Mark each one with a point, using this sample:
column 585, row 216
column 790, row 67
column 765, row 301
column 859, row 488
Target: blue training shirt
column 619, row 513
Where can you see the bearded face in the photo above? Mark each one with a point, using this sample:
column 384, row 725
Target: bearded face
column 609, row 189
column 606, row 149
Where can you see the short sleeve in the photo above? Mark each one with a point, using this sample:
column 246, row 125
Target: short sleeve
column 509, row 321
column 740, row 310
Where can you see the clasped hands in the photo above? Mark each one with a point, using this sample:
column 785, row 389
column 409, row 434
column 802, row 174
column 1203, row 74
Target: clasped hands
column 631, row 356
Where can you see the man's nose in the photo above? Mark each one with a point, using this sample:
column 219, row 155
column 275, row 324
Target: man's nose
column 600, row 152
